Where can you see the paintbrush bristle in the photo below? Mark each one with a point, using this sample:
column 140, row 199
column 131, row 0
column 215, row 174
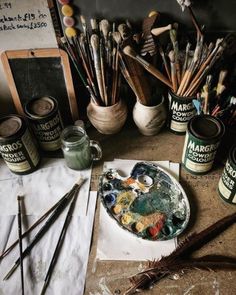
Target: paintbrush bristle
column 128, row 50
column 94, row 40
column 82, row 19
column 172, row 56
column 117, row 37
column 173, row 35
column 104, row 27
column 63, row 40
column 80, row 181
column 94, row 24
column 123, row 30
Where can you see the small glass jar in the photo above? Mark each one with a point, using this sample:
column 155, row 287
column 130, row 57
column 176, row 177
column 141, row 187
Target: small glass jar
column 78, row 149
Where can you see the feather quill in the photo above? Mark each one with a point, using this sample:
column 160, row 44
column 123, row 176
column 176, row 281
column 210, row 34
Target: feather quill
column 179, row 259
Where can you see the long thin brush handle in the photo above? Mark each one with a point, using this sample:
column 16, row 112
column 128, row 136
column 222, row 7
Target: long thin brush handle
column 60, row 241
column 97, row 64
column 43, row 230
column 152, row 70
column 20, row 245
column 206, row 63
column 164, row 61
column 194, row 20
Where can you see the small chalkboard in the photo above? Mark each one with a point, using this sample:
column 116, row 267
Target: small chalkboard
column 38, row 73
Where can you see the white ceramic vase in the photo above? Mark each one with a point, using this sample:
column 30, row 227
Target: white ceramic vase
column 149, row 119
column 109, row 119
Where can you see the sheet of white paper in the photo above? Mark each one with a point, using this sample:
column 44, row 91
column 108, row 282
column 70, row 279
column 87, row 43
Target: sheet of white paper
column 114, row 243
column 43, row 188
column 70, row 270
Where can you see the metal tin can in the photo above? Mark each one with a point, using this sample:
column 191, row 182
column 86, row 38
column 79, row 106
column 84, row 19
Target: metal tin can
column 227, row 183
column 17, row 146
column 46, row 122
column 181, row 110
column 203, row 136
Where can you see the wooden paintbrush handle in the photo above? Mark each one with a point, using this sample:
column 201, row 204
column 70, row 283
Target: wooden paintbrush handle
column 152, row 70
column 173, row 77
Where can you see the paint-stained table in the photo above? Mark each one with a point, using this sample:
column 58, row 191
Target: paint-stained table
column 105, row 278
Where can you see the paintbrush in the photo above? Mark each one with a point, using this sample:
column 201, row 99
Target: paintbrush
column 94, row 40
column 206, row 92
column 8, row 250
column 190, row 71
column 86, row 43
column 44, row 229
column 135, row 70
column 160, row 30
column 124, row 31
column 161, row 51
column 90, row 90
column 94, row 26
column 20, row 244
column 117, row 38
column 101, row 54
column 124, row 69
column 174, row 41
column 220, row 84
column 207, row 61
column 196, row 82
column 187, row 3
column 186, row 59
column 61, row 238
column 128, row 50
column 173, row 70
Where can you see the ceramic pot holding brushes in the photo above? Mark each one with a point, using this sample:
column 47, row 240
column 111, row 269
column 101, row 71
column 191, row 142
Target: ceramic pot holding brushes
column 149, row 119
column 107, row 119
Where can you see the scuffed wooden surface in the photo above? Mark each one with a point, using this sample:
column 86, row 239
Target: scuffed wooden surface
column 105, row 278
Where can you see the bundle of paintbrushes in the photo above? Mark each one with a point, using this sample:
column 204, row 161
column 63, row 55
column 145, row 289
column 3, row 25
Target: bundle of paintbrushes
column 95, row 56
column 217, row 100
column 185, row 68
column 53, row 213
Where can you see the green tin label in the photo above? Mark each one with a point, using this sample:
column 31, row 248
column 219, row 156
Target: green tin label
column 181, row 111
column 227, row 183
column 198, row 156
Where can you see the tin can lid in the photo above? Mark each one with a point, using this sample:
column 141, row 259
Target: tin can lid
column 9, row 126
column 206, row 127
column 40, row 107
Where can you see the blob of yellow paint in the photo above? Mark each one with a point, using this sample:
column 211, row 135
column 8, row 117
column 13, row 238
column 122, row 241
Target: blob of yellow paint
column 70, row 32
column 139, row 226
column 126, row 218
column 117, row 209
column 67, row 10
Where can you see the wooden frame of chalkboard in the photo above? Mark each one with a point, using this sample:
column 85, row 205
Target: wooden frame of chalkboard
column 41, row 72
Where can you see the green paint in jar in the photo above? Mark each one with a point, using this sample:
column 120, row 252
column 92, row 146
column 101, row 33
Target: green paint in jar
column 78, row 148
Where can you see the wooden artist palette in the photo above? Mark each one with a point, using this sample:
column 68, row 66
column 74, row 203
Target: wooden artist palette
column 150, row 203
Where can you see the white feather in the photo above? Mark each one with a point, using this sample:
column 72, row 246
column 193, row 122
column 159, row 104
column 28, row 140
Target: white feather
column 184, row 3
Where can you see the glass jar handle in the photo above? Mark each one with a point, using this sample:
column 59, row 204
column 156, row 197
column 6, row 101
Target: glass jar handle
column 96, row 145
